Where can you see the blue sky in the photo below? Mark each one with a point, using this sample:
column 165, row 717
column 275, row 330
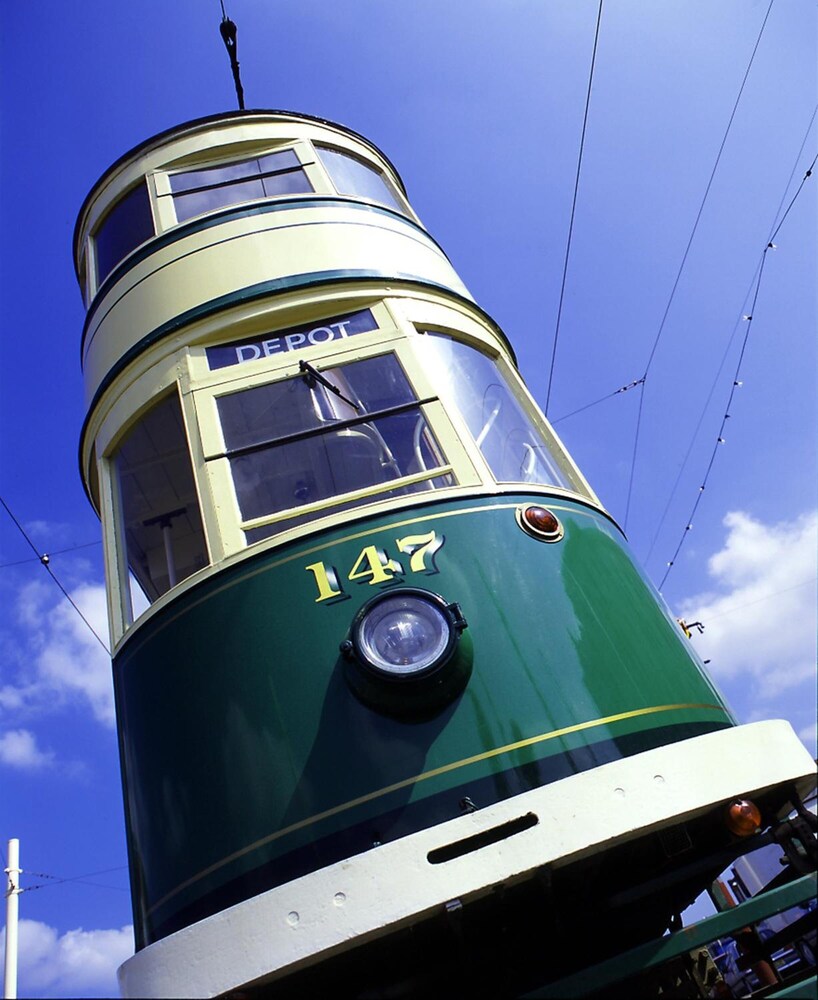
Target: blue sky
column 480, row 107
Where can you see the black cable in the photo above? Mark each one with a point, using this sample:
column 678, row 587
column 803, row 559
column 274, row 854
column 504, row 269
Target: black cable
column 55, row 552
column 596, row 402
column 774, row 228
column 43, row 558
column 687, row 251
column 720, row 439
column 573, row 209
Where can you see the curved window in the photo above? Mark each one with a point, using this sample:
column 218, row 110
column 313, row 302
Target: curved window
column 354, row 429
column 350, row 175
column 514, row 447
column 159, row 518
column 197, row 191
column 126, row 225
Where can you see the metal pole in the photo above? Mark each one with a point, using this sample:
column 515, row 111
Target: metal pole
column 12, row 908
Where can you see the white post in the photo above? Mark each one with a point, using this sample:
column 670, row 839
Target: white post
column 12, row 907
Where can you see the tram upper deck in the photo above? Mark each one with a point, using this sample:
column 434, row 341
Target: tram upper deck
column 273, row 340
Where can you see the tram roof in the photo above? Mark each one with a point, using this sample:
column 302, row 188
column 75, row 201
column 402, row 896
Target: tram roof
column 195, row 124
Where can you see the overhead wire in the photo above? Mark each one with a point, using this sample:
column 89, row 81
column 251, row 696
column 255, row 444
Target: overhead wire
column 54, row 880
column 44, row 560
column 685, row 255
column 573, row 209
column 53, row 552
column 736, row 380
column 774, row 227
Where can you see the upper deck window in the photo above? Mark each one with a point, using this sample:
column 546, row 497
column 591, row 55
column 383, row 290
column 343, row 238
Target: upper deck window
column 515, row 448
column 297, row 443
column 198, row 191
column 352, row 176
column 126, row 225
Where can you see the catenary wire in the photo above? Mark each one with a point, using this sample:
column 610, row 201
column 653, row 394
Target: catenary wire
column 685, row 255
column 573, row 209
column 735, row 385
column 774, row 228
column 43, row 558
column 55, row 552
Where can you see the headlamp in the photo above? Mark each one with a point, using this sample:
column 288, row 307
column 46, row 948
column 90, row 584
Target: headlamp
column 404, row 654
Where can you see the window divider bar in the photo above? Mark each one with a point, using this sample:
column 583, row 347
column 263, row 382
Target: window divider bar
column 364, row 418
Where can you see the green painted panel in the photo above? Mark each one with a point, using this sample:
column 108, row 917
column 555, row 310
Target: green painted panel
column 242, row 740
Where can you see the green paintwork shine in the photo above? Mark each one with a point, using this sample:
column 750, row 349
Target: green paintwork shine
column 236, row 720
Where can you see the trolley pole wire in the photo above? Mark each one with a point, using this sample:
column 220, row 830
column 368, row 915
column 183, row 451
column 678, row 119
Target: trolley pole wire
column 573, row 209
column 43, row 558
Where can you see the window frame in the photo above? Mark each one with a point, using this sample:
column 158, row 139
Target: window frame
column 578, row 484
column 216, row 456
column 304, row 152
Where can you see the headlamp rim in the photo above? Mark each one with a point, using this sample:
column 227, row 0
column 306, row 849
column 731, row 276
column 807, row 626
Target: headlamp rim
column 450, row 613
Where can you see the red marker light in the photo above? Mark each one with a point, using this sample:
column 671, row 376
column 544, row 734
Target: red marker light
column 743, row 818
column 540, row 522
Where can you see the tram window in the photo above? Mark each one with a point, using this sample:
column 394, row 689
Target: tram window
column 298, row 442
column 512, row 445
column 198, row 191
column 126, row 225
column 160, row 520
column 350, row 175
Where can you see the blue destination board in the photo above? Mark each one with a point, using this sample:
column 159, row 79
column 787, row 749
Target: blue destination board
column 294, row 339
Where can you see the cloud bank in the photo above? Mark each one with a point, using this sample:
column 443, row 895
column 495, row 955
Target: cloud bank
column 78, row 963
column 760, row 618
column 61, row 662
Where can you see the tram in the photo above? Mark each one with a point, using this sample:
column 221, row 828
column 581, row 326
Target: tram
column 397, row 709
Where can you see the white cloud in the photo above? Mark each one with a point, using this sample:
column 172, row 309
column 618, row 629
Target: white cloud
column 77, row 963
column 61, row 660
column 760, row 615
column 18, row 748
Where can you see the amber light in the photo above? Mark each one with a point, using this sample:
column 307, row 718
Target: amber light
column 540, row 522
column 743, row 818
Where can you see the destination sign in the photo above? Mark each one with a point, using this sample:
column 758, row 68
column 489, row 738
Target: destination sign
column 294, row 339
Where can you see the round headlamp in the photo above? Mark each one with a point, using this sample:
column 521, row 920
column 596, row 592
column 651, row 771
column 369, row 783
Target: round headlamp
column 404, row 655
column 406, row 634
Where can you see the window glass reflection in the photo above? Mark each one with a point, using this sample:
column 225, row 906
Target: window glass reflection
column 300, row 441
column 160, row 521
column 198, row 191
column 350, row 175
column 513, row 446
column 128, row 224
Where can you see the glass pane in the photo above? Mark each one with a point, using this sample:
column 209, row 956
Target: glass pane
column 128, row 224
column 161, row 521
column 353, row 176
column 227, row 172
column 198, row 202
column 332, row 463
column 285, row 160
column 513, row 446
column 211, row 176
column 269, row 412
column 291, row 182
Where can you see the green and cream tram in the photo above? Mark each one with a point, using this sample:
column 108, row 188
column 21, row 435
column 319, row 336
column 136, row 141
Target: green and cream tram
column 393, row 697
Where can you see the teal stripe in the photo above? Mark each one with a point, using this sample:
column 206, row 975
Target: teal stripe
column 230, row 214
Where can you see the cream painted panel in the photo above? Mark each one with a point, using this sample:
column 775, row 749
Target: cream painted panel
column 219, row 269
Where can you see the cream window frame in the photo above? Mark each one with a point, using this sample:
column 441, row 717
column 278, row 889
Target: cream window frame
column 168, row 376
column 231, row 527
column 303, row 149
column 528, row 404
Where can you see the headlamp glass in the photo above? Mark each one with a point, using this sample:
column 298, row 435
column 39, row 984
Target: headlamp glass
column 404, row 635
